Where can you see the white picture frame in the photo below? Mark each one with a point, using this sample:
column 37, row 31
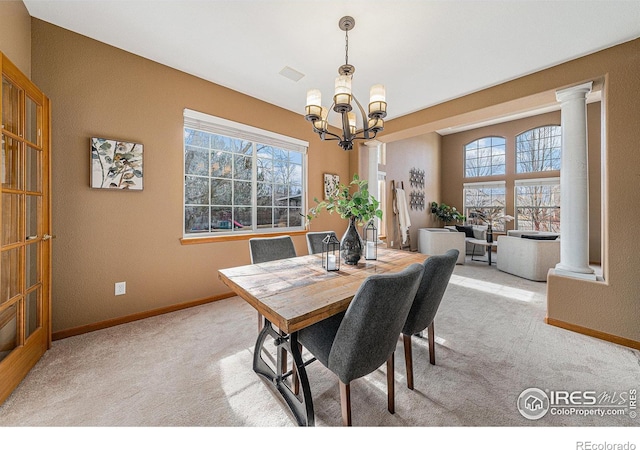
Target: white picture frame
column 331, row 183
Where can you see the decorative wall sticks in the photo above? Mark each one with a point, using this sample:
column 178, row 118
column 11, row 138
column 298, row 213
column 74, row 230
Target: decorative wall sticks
column 416, row 200
column 416, row 178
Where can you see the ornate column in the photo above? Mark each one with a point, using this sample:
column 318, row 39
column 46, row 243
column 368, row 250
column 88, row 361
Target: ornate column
column 574, row 184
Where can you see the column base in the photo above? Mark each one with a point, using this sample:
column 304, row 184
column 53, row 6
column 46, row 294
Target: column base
column 572, row 274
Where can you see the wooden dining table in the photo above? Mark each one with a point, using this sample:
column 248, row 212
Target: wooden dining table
column 292, row 294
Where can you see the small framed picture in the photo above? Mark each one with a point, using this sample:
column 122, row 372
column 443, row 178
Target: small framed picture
column 116, row 164
column 331, row 183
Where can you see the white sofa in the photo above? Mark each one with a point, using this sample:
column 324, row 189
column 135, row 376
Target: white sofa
column 436, row 241
column 527, row 258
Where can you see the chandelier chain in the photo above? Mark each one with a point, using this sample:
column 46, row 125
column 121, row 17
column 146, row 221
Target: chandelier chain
column 346, row 47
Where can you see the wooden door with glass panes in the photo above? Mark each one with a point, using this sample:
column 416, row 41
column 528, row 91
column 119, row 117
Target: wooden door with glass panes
column 25, row 247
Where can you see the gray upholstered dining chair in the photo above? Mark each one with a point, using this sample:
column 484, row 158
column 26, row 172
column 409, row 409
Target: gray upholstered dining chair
column 355, row 343
column 270, row 249
column 435, row 279
column 314, row 240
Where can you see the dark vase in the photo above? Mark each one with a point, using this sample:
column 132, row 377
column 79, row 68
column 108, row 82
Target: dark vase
column 351, row 244
column 489, row 233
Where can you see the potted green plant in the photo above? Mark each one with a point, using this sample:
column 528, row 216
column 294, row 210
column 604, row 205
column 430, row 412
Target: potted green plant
column 446, row 213
column 353, row 202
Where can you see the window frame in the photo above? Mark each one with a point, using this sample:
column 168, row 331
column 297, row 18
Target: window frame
column 195, row 120
column 532, row 182
column 491, row 167
column 497, row 226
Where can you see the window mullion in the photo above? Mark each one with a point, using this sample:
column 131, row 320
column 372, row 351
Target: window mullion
column 254, row 187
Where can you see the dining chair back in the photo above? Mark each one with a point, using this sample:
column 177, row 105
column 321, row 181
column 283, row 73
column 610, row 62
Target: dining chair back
column 271, row 249
column 435, row 279
column 314, row 240
column 355, row 343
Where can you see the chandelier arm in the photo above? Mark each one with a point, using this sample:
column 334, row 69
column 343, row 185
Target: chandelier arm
column 365, row 123
column 346, row 131
column 375, row 133
column 323, row 134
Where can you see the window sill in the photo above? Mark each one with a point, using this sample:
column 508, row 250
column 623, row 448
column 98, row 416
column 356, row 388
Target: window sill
column 236, row 237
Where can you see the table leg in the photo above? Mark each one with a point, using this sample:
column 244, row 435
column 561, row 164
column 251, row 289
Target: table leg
column 489, row 250
column 300, row 405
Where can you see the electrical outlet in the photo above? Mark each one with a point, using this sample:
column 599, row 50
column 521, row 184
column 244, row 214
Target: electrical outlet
column 121, row 288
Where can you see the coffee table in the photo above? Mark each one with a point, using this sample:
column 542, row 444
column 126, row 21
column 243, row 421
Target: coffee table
column 483, row 243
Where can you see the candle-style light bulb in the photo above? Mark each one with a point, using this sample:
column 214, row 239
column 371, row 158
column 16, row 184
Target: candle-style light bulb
column 342, row 94
column 377, row 101
column 314, row 102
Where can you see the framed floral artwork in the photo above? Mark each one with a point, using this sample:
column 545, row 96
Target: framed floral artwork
column 116, row 164
column 331, row 183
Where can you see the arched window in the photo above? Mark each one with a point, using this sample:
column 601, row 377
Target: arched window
column 538, row 149
column 484, row 157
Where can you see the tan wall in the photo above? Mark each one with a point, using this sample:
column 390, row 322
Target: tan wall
column 453, row 166
column 15, row 34
column 108, row 236
column 611, row 307
column 423, row 153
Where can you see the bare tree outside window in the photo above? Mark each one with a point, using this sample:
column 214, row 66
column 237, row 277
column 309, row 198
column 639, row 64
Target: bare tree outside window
column 539, row 149
column 538, row 207
column 485, row 157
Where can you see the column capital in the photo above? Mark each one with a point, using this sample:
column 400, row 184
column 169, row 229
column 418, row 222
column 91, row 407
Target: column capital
column 373, row 143
column 573, row 92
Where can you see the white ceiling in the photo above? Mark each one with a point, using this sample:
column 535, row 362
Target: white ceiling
column 424, row 52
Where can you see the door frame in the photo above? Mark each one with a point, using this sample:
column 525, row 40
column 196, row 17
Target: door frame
column 17, row 364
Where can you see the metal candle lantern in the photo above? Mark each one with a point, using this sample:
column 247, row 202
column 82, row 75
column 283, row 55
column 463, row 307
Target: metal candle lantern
column 370, row 241
column 331, row 253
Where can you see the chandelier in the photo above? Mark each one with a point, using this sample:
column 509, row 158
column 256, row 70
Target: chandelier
column 372, row 123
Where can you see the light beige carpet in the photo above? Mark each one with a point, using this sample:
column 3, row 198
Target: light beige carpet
column 193, row 368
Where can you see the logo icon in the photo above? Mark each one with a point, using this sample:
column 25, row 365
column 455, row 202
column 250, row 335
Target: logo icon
column 533, row 403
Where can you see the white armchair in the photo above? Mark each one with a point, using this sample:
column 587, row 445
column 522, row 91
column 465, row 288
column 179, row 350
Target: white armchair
column 527, row 258
column 436, row 241
column 479, row 232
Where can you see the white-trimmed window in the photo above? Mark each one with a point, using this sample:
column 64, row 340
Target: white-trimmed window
column 240, row 179
column 485, row 202
column 485, row 157
column 539, row 149
column 538, row 204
